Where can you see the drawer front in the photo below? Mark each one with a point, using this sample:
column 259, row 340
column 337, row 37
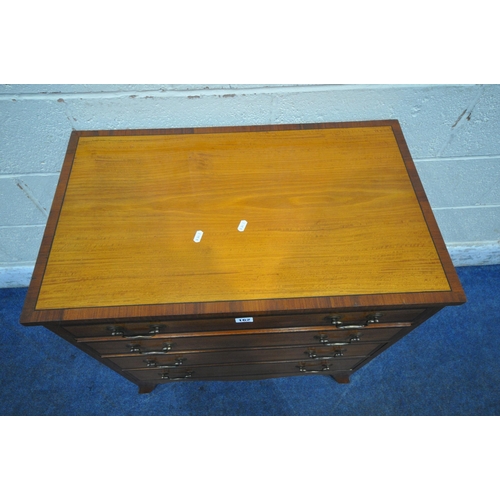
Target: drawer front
column 343, row 320
column 189, row 342
column 218, row 372
column 231, row 356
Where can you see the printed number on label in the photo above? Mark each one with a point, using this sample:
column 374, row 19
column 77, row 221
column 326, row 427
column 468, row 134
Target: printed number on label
column 243, row 320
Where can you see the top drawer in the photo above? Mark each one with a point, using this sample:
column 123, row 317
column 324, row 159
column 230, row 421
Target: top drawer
column 342, row 321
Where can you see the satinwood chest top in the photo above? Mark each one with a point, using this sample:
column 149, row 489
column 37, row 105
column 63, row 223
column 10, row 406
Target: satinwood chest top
column 196, row 216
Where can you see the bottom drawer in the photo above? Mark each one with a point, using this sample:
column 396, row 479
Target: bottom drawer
column 220, row 372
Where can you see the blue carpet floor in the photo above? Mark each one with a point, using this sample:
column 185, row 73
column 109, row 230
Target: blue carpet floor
column 450, row 365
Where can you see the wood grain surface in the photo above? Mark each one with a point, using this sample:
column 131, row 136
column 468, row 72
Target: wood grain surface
column 329, row 211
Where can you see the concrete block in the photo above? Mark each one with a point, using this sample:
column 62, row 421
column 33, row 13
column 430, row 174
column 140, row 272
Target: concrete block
column 158, row 111
column 26, row 199
column 49, row 89
column 33, row 136
column 20, row 245
column 461, row 182
column 477, row 126
column 471, row 226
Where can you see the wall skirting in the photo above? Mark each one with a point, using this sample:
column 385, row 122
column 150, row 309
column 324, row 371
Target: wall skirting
column 475, row 255
column 462, row 255
column 15, row 276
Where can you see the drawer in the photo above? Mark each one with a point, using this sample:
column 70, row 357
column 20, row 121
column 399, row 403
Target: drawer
column 220, row 372
column 341, row 320
column 240, row 340
column 231, row 356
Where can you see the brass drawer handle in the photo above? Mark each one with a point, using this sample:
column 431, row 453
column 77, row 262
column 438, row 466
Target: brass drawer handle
column 324, row 368
column 335, row 354
column 325, row 341
column 370, row 320
column 136, row 349
column 118, row 330
column 151, row 363
column 166, row 376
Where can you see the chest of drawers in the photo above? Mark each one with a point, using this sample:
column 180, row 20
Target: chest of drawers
column 239, row 253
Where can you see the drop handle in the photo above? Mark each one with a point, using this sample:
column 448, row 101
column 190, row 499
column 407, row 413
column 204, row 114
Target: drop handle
column 370, row 320
column 324, row 368
column 336, row 353
column 151, row 363
column 119, row 331
column 326, row 342
column 137, row 349
column 166, row 376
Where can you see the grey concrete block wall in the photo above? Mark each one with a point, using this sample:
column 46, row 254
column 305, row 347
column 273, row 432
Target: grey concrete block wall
column 452, row 131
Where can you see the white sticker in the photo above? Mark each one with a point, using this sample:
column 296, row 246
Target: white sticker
column 197, row 236
column 243, row 320
column 242, row 226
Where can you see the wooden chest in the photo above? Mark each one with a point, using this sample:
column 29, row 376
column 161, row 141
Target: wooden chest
column 241, row 252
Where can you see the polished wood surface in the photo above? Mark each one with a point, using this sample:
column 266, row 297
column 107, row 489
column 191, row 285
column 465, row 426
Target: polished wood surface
column 329, row 212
